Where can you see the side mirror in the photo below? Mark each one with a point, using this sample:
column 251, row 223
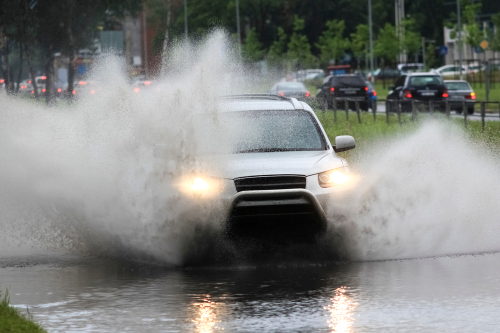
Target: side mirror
column 343, row 143
column 392, row 88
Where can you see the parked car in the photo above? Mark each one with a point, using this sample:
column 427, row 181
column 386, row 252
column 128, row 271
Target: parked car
column 451, row 70
column 372, row 94
column 279, row 173
column 460, row 91
column 411, row 68
column 422, row 87
column 291, row 89
column 384, row 73
column 339, row 88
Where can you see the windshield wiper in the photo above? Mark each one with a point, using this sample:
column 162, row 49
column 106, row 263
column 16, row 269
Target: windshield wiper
column 265, row 150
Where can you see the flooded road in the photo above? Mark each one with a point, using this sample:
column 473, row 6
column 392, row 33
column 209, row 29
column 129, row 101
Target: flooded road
column 446, row 294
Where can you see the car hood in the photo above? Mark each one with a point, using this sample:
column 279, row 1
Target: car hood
column 276, row 163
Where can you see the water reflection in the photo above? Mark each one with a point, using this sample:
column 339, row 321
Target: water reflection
column 341, row 311
column 206, row 319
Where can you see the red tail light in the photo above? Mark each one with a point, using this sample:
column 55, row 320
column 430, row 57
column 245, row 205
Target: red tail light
column 74, row 92
column 147, row 83
column 59, row 90
column 44, row 78
column 308, row 94
column 374, row 92
column 82, row 83
column 92, row 91
column 332, row 89
column 281, row 93
column 445, row 94
column 29, row 81
column 44, row 90
column 407, row 94
column 136, row 90
column 32, row 91
column 2, row 81
column 472, row 95
column 366, row 88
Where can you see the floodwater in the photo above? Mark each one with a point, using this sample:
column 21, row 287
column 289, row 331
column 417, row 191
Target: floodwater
column 445, row 294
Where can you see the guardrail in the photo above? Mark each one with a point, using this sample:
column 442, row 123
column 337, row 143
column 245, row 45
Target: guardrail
column 414, row 107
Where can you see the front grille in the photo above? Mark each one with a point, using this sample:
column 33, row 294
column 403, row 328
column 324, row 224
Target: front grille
column 269, row 183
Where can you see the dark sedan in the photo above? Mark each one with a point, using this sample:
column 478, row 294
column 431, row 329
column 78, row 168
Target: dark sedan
column 460, row 91
column 291, row 89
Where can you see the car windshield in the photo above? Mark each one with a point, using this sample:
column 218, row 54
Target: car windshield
column 259, row 131
column 457, row 86
column 347, row 81
column 422, row 81
column 292, row 86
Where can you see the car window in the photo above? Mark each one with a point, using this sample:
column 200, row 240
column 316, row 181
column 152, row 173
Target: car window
column 420, row 81
column 347, row 81
column 400, row 81
column 457, row 86
column 259, row 131
column 292, row 86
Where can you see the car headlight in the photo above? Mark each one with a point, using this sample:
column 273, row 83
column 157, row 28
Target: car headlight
column 200, row 186
column 333, row 177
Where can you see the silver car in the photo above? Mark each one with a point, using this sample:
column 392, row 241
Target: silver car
column 279, row 173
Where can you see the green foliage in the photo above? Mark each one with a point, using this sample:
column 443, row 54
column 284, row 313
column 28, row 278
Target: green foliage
column 332, row 44
column 252, row 48
column 278, row 48
column 430, row 56
column 12, row 321
column 299, row 48
column 412, row 41
column 494, row 37
column 473, row 33
column 387, row 44
column 360, row 40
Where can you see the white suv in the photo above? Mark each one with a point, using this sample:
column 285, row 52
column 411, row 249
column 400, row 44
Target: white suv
column 279, row 172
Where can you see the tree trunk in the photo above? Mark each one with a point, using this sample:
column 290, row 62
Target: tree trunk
column 168, row 3
column 49, row 73
column 20, row 66
column 71, row 55
column 5, row 63
column 32, row 71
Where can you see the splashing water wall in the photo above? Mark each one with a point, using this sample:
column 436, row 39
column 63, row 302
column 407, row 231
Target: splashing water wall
column 84, row 178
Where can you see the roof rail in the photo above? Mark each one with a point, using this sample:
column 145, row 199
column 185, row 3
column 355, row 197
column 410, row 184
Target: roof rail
column 271, row 97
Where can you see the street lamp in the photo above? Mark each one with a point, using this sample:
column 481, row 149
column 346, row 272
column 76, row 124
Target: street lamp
column 372, row 77
column 238, row 26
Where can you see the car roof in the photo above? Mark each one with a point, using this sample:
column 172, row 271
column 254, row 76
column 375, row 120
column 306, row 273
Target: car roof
column 263, row 102
column 445, row 81
column 423, row 74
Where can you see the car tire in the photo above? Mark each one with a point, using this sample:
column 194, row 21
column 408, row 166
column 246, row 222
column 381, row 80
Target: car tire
column 458, row 111
column 470, row 110
column 363, row 106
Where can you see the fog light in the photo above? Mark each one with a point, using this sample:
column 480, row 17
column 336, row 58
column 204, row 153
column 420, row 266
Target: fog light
column 199, row 185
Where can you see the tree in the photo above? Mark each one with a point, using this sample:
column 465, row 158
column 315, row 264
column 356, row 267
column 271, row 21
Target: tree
column 278, row 48
column 430, row 56
column 412, row 40
column 252, row 48
column 360, row 42
column 473, row 34
column 299, row 49
column 387, row 44
column 332, row 44
column 494, row 36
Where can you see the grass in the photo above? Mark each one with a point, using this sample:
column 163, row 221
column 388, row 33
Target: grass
column 369, row 130
column 12, row 321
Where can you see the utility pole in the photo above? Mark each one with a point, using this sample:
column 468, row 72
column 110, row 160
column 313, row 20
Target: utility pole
column 459, row 24
column 399, row 7
column 423, row 51
column 371, row 39
column 185, row 19
column 238, row 26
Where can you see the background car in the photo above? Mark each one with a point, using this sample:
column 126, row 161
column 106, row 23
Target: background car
column 460, row 91
column 291, row 89
column 451, row 70
column 342, row 87
column 421, row 87
column 384, row 73
column 372, row 94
